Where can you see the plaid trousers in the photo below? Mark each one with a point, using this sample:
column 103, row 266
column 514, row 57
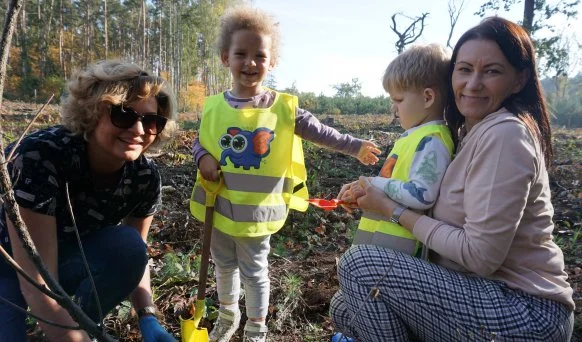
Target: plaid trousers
column 417, row 300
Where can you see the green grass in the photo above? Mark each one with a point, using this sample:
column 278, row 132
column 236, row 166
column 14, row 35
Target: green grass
column 570, row 245
column 290, row 285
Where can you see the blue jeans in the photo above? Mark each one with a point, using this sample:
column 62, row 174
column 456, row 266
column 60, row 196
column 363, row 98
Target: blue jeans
column 117, row 257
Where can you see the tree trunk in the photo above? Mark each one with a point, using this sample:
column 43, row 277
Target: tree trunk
column 61, row 34
column 143, row 38
column 528, row 15
column 105, row 29
column 24, row 60
column 10, row 21
column 160, row 23
column 44, row 51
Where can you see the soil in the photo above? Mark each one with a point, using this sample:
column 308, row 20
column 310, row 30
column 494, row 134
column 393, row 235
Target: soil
column 305, row 252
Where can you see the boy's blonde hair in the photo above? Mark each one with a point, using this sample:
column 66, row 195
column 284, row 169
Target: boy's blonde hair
column 419, row 67
column 252, row 19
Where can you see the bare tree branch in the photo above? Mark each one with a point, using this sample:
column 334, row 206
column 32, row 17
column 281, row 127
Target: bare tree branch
column 16, row 307
column 93, row 286
column 25, row 275
column 63, row 298
column 28, row 128
column 454, row 13
column 409, row 35
column 14, row 7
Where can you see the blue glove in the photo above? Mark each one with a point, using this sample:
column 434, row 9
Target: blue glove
column 339, row 337
column 152, row 331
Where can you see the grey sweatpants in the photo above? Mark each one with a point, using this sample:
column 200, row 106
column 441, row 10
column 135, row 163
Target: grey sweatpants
column 242, row 258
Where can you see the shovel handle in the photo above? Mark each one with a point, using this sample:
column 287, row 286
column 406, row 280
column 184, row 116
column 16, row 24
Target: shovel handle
column 211, row 189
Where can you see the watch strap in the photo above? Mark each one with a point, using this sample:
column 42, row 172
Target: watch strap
column 396, row 213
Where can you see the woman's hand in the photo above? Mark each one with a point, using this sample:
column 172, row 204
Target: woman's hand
column 349, row 193
column 209, row 167
column 373, row 199
column 152, row 331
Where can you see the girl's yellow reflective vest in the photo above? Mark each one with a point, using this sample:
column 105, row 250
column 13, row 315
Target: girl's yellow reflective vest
column 262, row 163
column 377, row 228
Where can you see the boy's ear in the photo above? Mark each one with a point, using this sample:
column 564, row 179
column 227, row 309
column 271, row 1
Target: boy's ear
column 224, row 58
column 429, row 97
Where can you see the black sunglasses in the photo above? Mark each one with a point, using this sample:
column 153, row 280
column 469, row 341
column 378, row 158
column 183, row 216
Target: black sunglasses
column 126, row 117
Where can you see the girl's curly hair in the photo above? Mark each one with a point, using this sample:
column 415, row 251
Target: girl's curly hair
column 252, row 19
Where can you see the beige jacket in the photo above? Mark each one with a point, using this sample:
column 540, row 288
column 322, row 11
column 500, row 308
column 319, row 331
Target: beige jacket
column 493, row 216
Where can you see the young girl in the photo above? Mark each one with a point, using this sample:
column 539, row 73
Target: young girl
column 253, row 135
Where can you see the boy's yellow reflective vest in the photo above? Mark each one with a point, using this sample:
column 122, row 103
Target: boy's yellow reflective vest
column 262, row 163
column 377, row 229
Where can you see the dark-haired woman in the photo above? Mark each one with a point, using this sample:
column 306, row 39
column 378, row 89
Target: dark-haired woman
column 494, row 272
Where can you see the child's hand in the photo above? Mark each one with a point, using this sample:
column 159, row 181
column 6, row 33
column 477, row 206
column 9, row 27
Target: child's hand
column 346, row 195
column 367, row 153
column 374, row 199
column 209, row 167
column 350, row 193
column 357, row 191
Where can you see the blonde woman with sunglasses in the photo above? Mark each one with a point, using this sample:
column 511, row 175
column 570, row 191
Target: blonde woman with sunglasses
column 113, row 112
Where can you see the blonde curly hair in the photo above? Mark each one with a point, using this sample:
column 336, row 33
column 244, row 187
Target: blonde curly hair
column 113, row 82
column 252, row 19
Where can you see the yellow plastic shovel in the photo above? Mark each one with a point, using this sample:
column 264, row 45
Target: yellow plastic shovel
column 190, row 330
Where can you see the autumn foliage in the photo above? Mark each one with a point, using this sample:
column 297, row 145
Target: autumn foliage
column 192, row 98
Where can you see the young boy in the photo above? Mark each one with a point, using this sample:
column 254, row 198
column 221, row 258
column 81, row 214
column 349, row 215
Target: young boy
column 253, row 135
column 417, row 83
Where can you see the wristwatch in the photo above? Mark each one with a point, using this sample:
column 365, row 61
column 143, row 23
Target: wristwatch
column 395, row 218
column 148, row 310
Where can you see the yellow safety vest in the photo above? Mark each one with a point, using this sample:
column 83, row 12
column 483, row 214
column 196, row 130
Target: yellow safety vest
column 377, row 229
column 262, row 163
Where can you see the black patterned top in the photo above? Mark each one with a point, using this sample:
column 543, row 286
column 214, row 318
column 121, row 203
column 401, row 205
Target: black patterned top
column 48, row 159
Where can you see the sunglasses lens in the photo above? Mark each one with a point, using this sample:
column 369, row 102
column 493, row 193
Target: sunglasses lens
column 126, row 117
column 123, row 117
column 153, row 123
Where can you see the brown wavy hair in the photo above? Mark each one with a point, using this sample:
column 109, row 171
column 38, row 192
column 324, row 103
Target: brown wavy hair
column 109, row 83
column 529, row 104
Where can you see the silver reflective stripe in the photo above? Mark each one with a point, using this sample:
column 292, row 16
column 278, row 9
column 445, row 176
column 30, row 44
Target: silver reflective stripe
column 396, row 243
column 243, row 212
column 254, row 183
column 362, row 237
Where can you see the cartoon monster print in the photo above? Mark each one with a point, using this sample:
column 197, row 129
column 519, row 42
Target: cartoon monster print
column 416, row 192
column 426, row 171
column 245, row 148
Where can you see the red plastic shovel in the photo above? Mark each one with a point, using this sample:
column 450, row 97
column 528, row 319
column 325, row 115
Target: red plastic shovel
column 327, row 204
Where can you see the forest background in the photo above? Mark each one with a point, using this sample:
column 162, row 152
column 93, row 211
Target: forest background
column 175, row 39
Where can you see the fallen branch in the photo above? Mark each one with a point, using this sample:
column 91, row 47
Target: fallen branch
column 28, row 128
column 25, row 275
